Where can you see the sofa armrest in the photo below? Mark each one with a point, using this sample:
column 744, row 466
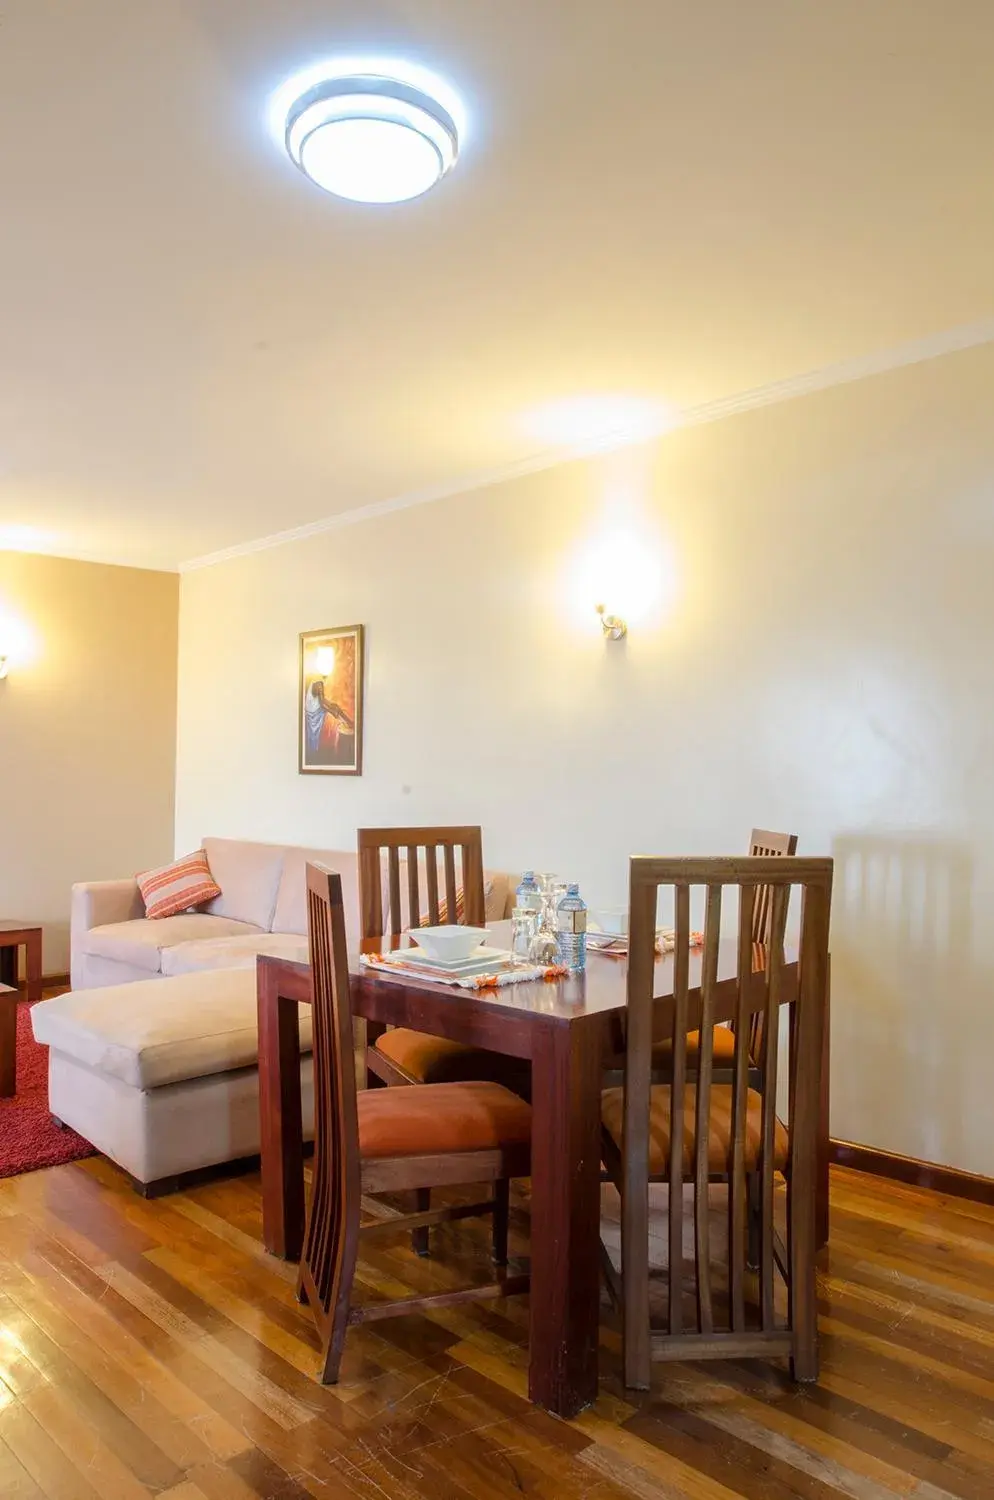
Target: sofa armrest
column 97, row 902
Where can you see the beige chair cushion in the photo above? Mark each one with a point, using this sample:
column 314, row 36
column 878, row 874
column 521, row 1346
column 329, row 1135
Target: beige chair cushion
column 249, row 877
column 233, row 952
column 160, row 1031
column 141, row 941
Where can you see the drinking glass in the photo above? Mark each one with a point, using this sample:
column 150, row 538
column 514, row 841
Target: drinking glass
column 523, row 925
column 544, row 946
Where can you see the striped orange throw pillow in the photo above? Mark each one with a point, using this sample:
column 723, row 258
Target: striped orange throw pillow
column 186, row 883
column 444, row 920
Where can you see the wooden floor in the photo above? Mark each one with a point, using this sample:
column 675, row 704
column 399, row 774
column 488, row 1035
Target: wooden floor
column 154, row 1349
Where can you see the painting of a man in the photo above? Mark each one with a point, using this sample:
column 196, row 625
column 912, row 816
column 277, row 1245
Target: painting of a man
column 331, row 701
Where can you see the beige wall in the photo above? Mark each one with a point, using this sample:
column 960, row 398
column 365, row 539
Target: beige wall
column 87, row 731
column 812, row 609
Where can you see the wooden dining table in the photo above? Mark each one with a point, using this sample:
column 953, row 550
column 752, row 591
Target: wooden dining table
column 569, row 1029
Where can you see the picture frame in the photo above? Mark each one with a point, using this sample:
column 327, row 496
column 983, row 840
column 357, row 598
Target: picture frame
column 330, row 701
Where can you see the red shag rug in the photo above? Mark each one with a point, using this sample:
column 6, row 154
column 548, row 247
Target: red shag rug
column 29, row 1138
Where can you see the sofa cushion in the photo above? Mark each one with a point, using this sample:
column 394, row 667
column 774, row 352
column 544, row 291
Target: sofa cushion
column 180, row 886
column 495, row 892
column 291, row 900
column 498, row 890
column 249, row 877
column 233, row 952
column 159, row 1031
column 140, row 942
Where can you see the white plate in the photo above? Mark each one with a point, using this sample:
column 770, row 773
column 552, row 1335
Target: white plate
column 481, row 962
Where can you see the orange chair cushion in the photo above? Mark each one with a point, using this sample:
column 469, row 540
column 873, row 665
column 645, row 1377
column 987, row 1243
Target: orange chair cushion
column 723, row 1049
column 719, row 1133
column 441, row 1117
column 436, row 1059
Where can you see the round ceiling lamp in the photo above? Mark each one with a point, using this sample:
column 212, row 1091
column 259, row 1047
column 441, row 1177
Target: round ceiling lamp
column 370, row 131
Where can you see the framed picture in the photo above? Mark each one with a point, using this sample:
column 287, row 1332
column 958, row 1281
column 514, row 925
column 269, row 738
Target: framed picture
column 330, row 698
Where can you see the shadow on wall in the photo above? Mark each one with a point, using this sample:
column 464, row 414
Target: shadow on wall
column 907, row 995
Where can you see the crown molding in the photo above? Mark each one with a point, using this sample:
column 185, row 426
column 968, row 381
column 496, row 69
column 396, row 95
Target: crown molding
column 96, row 559
column 843, row 372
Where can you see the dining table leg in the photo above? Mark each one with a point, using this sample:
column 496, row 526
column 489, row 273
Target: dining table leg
column 565, row 1215
column 281, row 1122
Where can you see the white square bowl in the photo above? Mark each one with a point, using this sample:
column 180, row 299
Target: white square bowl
column 451, row 943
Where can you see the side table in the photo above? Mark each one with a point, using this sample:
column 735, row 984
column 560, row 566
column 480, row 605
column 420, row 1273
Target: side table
column 14, row 935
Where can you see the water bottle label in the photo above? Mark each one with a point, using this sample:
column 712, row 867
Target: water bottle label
column 572, row 921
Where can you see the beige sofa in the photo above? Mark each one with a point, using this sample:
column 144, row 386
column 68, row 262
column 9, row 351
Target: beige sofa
column 153, row 1056
column 261, row 909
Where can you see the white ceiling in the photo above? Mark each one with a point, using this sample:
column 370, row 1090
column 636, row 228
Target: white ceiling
column 661, row 200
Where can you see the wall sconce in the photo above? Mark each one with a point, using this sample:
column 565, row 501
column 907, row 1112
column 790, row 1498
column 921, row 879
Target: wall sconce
column 613, row 627
column 4, row 665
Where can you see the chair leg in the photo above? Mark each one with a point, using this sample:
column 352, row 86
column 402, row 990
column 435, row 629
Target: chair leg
column 502, row 1212
column 419, row 1237
column 636, row 1337
column 804, row 1360
column 802, row 1292
column 327, row 1272
column 339, row 1327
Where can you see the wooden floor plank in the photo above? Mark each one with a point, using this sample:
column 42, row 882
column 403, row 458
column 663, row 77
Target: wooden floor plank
column 15, row 1481
column 118, row 1356
column 41, row 1456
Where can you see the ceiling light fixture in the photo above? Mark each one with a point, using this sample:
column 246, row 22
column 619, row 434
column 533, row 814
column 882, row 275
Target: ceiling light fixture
column 370, row 130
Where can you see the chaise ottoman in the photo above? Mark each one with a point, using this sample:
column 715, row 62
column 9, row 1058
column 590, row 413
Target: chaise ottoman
column 162, row 1075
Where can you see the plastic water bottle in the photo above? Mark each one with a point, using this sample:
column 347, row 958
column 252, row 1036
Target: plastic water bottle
column 571, row 925
column 528, row 895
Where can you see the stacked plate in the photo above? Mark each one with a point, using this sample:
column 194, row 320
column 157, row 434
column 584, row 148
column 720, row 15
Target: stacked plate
column 483, row 961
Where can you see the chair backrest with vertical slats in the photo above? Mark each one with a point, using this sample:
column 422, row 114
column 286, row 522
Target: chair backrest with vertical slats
column 710, row 1121
column 333, row 1213
column 426, row 898
column 765, row 844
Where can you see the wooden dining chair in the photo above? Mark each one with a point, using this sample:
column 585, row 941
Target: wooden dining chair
column 766, row 845
column 697, row 1131
column 416, row 897
column 389, row 1140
